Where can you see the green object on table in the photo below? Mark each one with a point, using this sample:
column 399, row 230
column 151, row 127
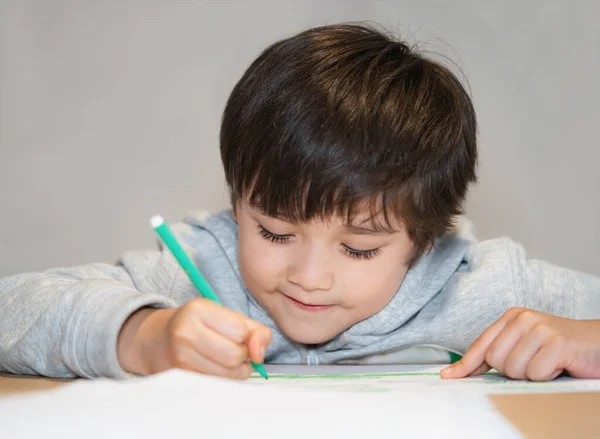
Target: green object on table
column 454, row 357
column 204, row 289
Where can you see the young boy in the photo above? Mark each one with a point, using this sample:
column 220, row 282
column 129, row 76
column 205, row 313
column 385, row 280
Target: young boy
column 348, row 157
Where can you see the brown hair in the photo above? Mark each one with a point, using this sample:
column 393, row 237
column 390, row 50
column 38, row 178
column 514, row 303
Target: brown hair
column 340, row 115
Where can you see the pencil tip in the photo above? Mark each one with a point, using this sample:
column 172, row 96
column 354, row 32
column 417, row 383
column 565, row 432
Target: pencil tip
column 261, row 370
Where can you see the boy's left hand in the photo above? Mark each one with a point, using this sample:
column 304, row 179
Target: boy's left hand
column 527, row 344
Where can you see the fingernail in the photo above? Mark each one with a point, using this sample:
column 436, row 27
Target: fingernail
column 448, row 370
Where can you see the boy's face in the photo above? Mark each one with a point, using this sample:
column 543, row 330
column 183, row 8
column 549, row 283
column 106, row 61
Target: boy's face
column 318, row 279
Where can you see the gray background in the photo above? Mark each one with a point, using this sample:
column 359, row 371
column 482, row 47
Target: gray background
column 109, row 113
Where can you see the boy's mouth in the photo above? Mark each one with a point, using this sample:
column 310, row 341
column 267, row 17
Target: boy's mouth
column 307, row 306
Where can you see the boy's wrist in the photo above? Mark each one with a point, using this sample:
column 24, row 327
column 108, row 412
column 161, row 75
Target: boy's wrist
column 135, row 341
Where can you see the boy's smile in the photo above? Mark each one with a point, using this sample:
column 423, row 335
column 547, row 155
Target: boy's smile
column 318, row 279
column 312, row 307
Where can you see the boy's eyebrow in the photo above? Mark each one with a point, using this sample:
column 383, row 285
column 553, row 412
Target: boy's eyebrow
column 355, row 229
column 279, row 216
column 363, row 230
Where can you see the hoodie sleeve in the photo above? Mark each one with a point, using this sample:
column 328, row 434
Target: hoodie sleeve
column 556, row 290
column 65, row 322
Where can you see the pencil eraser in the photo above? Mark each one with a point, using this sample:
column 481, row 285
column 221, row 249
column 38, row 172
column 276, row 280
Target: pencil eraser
column 156, row 221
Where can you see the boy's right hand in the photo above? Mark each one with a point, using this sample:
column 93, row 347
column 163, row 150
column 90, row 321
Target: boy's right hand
column 200, row 336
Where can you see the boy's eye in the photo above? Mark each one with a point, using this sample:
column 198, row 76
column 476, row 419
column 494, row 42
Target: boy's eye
column 273, row 237
column 361, row 254
column 358, row 254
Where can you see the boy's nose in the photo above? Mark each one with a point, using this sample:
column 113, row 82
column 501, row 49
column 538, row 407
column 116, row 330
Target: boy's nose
column 311, row 271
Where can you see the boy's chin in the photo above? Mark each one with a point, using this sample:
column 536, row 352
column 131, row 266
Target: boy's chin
column 310, row 335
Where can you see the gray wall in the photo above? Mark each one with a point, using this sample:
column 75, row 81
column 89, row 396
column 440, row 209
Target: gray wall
column 109, row 113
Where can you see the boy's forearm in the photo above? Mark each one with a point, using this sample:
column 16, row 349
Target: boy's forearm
column 138, row 340
column 66, row 322
column 73, row 324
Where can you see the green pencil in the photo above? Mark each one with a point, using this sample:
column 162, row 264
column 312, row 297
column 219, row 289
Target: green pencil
column 204, row 289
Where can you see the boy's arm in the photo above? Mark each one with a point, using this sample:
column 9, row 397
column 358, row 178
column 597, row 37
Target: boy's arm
column 556, row 290
column 555, row 329
column 65, row 322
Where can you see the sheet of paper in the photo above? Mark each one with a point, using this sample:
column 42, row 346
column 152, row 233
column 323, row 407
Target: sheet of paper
column 400, row 378
column 180, row 405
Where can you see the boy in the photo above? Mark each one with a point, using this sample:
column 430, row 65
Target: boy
column 348, row 157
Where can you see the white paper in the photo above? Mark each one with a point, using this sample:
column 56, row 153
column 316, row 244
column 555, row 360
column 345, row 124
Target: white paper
column 400, row 378
column 179, row 405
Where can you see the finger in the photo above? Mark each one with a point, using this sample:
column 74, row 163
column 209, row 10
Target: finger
column 502, row 346
column 480, row 370
column 474, row 358
column 546, row 363
column 190, row 359
column 258, row 330
column 222, row 320
column 256, row 348
column 517, row 361
column 258, row 340
column 219, row 348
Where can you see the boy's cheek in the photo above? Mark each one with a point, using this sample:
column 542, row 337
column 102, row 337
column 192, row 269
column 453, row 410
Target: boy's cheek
column 376, row 283
column 260, row 267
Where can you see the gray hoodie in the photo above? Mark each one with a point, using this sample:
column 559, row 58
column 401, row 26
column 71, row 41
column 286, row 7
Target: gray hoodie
column 65, row 322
